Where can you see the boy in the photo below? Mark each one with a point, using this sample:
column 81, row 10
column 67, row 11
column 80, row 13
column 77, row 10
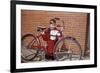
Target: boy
column 51, row 36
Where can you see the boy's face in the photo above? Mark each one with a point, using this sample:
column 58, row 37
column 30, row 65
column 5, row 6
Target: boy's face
column 52, row 25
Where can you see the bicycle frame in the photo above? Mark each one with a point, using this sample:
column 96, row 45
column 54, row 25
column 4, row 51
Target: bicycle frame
column 39, row 46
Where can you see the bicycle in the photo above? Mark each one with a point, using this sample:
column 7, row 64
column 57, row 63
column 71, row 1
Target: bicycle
column 31, row 44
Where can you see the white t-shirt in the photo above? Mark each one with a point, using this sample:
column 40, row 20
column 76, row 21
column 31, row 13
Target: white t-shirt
column 54, row 34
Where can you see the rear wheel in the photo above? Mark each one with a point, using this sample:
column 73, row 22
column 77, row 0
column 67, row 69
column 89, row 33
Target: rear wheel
column 68, row 48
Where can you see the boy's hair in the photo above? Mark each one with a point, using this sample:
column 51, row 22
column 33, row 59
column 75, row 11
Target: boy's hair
column 54, row 19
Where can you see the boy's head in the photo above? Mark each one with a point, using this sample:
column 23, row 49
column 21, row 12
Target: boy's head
column 52, row 24
column 58, row 21
column 55, row 22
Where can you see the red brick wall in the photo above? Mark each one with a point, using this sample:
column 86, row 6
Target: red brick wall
column 75, row 23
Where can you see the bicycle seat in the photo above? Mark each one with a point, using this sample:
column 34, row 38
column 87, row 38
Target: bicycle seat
column 40, row 28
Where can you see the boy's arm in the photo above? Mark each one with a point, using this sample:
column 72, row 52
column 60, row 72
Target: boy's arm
column 59, row 34
column 45, row 35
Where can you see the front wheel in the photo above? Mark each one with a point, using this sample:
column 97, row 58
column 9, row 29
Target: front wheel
column 28, row 52
column 68, row 48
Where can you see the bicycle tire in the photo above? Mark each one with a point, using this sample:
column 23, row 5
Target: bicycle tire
column 71, row 39
column 34, row 55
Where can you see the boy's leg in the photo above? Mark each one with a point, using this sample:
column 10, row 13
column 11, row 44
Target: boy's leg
column 50, row 49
